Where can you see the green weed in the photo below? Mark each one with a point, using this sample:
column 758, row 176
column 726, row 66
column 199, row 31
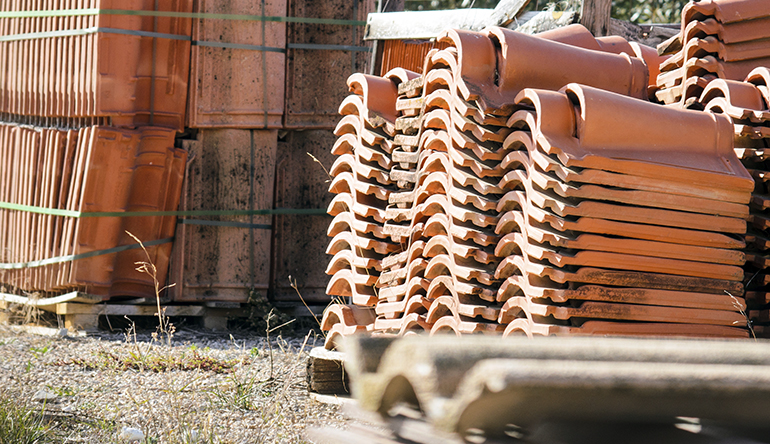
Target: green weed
column 21, row 424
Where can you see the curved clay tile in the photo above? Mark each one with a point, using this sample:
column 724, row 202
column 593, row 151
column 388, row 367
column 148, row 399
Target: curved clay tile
column 635, row 246
column 458, row 195
column 416, row 304
column 663, row 201
column 385, row 325
column 446, row 265
column 515, row 179
column 440, row 307
column 520, row 144
column 348, row 162
column 635, row 230
column 724, row 11
column 672, row 63
column 739, row 100
column 353, row 318
column 516, row 158
column 444, row 59
column 655, row 141
column 346, row 182
column 443, row 244
column 344, row 283
column 699, row 67
column 518, row 285
column 483, row 133
column 349, row 260
column 672, row 76
column 651, row 59
column 347, row 144
column 514, row 222
column 609, row 328
column 414, row 323
column 352, row 124
column 620, row 312
column 456, row 286
column 439, row 203
column 616, row 44
column 438, row 119
column 438, row 79
column 347, row 220
column 379, row 98
column 445, row 300
column 438, row 99
column 347, row 240
column 575, row 35
column 559, row 214
column 629, row 262
column 347, row 202
column 446, row 325
column 733, row 52
column 606, row 178
column 512, row 265
column 476, row 60
column 440, row 223
column 480, row 168
column 334, row 337
column 400, row 75
column 482, row 150
column 524, row 326
column 524, row 58
column 413, row 287
column 511, row 221
column 735, row 32
column 760, row 77
column 658, row 329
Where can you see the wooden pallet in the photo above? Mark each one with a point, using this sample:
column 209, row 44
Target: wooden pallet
column 81, row 311
column 326, row 372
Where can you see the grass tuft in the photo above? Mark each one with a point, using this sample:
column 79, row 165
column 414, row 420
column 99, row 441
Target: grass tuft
column 153, row 362
column 20, row 423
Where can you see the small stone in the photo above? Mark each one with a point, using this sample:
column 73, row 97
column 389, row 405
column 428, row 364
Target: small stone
column 130, row 434
column 44, row 395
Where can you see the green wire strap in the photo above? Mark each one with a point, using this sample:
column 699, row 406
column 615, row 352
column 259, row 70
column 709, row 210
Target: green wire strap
column 173, row 14
column 74, row 257
column 81, row 214
column 159, row 35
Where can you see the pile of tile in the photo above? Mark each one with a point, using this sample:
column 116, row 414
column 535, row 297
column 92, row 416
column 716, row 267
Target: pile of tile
column 90, row 104
column 719, row 39
column 532, row 211
column 361, row 182
column 636, row 224
column 92, row 169
column 86, row 66
column 546, row 390
column 747, row 104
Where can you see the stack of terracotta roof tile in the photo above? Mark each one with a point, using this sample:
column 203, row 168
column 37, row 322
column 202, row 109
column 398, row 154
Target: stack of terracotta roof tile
column 362, row 185
column 720, row 39
column 64, row 78
column 96, row 65
column 747, row 104
column 93, row 169
column 459, row 168
column 628, row 227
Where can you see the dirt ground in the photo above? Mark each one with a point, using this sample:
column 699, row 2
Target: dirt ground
column 203, row 388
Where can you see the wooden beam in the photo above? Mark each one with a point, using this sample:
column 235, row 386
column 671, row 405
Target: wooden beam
column 595, row 15
column 69, row 297
column 506, row 11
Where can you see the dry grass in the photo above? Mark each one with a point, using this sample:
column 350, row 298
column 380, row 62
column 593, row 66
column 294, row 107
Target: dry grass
column 200, row 389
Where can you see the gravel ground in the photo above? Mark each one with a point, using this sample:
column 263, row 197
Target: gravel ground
column 204, row 388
